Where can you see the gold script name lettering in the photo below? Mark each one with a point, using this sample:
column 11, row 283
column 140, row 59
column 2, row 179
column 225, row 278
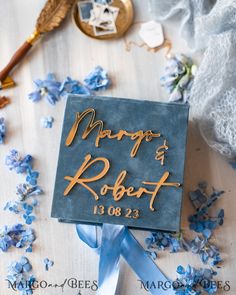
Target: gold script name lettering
column 82, row 181
column 137, row 136
column 118, row 190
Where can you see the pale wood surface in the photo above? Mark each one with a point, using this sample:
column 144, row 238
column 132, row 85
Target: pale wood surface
column 135, row 74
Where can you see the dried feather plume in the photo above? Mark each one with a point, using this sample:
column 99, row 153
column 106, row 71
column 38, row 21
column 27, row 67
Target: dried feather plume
column 50, row 18
column 53, row 14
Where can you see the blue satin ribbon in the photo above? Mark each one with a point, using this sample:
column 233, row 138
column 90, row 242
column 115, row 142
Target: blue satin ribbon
column 117, row 240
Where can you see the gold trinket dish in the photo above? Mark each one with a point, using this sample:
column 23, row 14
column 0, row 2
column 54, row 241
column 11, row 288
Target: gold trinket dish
column 123, row 21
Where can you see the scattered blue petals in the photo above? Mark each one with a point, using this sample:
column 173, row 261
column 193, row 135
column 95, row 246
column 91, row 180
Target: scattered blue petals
column 97, row 79
column 197, row 198
column 70, row 86
column 202, row 221
column 29, row 218
column 52, row 89
column 12, row 206
column 29, row 249
column 2, row 130
column 48, row 263
column 46, row 122
column 162, row 241
column 192, row 281
column 207, row 251
column 19, row 276
column 26, row 190
column 27, row 208
column 32, row 177
column 48, row 88
column 15, row 162
column 16, row 236
column 23, row 208
column 22, row 165
column 178, row 78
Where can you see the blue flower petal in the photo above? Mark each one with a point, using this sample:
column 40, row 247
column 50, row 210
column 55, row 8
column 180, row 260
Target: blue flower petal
column 97, row 79
column 2, row 130
column 48, row 88
column 48, row 263
column 47, row 122
column 35, row 96
column 178, row 78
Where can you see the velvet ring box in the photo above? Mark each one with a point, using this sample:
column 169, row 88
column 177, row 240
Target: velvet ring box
column 121, row 161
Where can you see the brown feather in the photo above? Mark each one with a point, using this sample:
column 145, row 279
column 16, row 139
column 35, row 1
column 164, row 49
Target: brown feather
column 53, row 14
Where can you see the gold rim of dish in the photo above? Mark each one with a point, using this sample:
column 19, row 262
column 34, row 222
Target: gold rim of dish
column 126, row 12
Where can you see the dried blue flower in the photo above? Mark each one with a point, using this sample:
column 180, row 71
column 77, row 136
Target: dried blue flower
column 206, row 251
column 25, row 190
column 162, row 241
column 202, row 221
column 178, row 78
column 16, row 236
column 23, row 208
column 2, row 130
column 192, row 281
column 159, row 240
column 32, row 177
column 48, row 263
column 70, row 86
column 15, row 162
column 46, row 122
column 29, row 249
column 178, row 244
column 48, row 88
column 19, row 276
column 29, row 218
column 52, row 90
column 27, row 208
column 23, row 165
column 198, row 198
column 97, row 79
column 12, row 206
column 28, row 235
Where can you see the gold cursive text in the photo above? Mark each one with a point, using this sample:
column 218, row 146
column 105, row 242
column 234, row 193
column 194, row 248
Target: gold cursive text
column 118, row 190
column 137, row 136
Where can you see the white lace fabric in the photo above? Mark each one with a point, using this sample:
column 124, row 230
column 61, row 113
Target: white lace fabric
column 211, row 25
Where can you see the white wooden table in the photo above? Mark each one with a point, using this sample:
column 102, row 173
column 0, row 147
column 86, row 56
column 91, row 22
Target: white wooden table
column 134, row 74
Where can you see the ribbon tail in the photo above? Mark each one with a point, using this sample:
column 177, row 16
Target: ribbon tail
column 112, row 237
column 89, row 235
column 144, row 266
column 116, row 240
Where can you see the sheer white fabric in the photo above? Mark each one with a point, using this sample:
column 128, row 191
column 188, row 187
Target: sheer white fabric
column 210, row 25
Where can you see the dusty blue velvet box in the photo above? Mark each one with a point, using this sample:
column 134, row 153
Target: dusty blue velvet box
column 134, row 176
